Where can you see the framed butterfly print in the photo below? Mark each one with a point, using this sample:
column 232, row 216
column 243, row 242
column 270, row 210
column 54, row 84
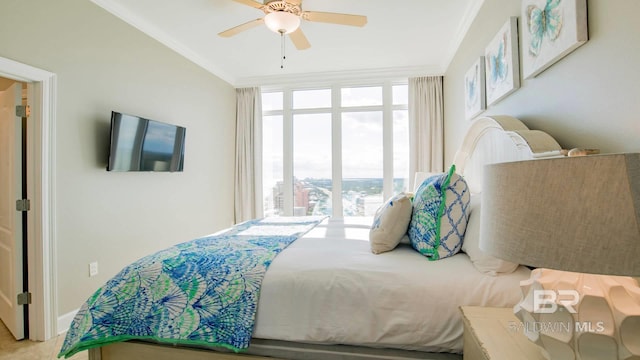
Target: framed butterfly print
column 474, row 85
column 502, row 67
column 551, row 29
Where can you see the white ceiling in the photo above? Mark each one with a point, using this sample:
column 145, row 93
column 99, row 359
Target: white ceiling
column 401, row 38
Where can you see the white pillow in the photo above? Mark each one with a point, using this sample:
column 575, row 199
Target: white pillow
column 390, row 223
column 483, row 262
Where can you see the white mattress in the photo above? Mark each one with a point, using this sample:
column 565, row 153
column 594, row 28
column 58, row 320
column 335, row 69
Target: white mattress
column 327, row 287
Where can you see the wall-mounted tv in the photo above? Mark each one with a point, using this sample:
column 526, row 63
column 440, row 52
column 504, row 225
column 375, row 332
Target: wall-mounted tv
column 139, row 144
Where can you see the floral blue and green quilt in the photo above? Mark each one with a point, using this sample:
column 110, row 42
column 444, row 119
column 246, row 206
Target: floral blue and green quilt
column 201, row 292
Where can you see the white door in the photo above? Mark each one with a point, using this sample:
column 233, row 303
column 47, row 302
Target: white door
column 11, row 314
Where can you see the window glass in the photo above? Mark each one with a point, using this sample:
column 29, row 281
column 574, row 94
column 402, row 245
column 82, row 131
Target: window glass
column 309, row 99
column 362, row 163
column 361, row 96
column 400, row 94
column 400, row 151
column 272, row 166
column 272, row 101
column 312, row 182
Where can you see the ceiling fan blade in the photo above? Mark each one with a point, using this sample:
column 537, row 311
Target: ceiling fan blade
column 251, row 3
column 299, row 40
column 335, row 18
column 237, row 29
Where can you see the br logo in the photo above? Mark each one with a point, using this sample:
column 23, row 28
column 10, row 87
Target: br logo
column 546, row 301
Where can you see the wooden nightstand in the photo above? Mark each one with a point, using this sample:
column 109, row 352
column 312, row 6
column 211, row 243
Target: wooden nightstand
column 493, row 333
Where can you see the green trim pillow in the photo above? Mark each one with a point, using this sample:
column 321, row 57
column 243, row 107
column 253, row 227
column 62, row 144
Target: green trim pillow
column 390, row 223
column 440, row 215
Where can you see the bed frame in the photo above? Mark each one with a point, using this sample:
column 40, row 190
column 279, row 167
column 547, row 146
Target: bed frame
column 489, row 140
column 259, row 350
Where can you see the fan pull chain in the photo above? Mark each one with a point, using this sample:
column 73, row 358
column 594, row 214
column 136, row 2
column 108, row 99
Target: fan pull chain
column 282, row 53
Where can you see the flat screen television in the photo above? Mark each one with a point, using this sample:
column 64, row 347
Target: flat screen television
column 139, row 144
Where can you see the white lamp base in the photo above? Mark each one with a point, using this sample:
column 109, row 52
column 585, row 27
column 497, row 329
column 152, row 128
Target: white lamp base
column 581, row 316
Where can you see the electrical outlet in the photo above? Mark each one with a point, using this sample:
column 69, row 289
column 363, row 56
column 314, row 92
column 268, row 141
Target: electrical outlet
column 93, row 269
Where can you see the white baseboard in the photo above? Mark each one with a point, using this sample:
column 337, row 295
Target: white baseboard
column 65, row 320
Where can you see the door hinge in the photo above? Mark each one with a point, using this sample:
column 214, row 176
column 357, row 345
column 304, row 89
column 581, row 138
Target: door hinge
column 23, row 205
column 23, row 111
column 24, row 298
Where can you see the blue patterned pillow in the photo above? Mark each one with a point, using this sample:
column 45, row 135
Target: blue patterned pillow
column 440, row 214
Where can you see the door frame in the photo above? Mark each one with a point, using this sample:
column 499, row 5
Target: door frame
column 40, row 189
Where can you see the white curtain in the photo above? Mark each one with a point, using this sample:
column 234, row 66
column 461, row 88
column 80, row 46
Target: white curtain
column 426, row 125
column 248, row 112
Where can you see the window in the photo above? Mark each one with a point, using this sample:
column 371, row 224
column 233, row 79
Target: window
column 400, row 151
column 312, row 184
column 361, row 96
column 362, row 163
column 272, row 162
column 311, row 99
column 352, row 141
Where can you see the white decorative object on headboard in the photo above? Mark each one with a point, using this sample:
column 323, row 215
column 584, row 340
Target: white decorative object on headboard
column 500, row 138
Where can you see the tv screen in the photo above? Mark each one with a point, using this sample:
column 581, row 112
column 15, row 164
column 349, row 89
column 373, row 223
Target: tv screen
column 139, row 144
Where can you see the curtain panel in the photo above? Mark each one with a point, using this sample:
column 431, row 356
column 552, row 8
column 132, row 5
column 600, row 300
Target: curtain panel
column 247, row 173
column 426, row 125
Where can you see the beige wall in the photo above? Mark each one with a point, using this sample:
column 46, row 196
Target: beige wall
column 103, row 64
column 590, row 98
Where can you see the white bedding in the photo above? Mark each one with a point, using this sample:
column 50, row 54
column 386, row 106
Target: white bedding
column 328, row 287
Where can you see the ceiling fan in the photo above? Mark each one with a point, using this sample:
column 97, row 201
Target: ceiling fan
column 284, row 16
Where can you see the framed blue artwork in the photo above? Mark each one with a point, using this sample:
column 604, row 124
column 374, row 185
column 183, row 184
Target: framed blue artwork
column 501, row 63
column 551, row 29
column 474, row 88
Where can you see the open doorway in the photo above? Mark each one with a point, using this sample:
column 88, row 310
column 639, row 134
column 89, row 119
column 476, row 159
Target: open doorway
column 40, row 164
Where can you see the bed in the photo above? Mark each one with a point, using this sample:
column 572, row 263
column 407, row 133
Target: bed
column 326, row 296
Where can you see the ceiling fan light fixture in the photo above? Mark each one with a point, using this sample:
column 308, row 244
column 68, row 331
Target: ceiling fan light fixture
column 282, row 22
